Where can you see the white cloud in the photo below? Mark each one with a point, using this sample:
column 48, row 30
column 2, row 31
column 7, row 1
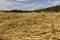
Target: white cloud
column 4, row 4
column 56, row 3
column 32, row 6
column 22, row 0
column 8, row 5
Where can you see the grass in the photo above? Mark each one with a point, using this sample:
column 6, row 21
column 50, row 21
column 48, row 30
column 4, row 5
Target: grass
column 30, row 26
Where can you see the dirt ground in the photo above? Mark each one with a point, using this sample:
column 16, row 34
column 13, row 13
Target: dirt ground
column 30, row 26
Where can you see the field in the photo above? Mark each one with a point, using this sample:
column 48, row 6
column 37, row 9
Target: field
column 30, row 26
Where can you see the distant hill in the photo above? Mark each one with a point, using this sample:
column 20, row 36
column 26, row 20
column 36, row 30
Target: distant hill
column 50, row 9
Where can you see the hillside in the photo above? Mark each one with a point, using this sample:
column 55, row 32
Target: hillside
column 30, row 26
column 50, row 9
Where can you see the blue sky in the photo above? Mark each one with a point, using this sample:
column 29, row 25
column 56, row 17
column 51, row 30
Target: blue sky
column 27, row 4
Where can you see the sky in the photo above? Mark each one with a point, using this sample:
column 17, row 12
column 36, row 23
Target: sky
column 27, row 4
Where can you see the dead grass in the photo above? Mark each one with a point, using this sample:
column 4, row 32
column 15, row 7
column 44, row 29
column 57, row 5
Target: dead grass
column 30, row 26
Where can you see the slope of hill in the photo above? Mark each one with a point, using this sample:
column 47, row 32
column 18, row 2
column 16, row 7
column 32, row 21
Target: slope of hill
column 30, row 26
column 50, row 9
